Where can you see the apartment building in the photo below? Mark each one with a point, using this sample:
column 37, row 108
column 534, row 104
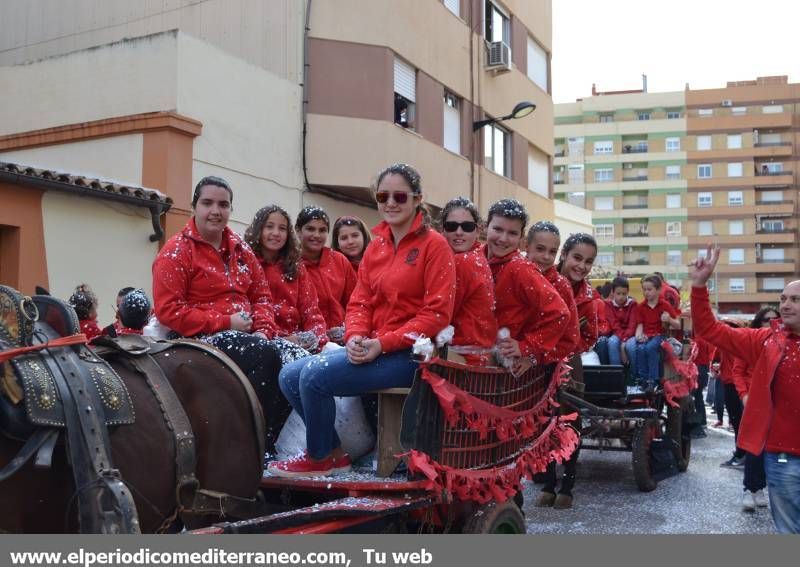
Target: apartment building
column 664, row 174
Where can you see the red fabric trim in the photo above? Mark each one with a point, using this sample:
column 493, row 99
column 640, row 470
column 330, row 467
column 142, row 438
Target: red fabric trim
column 79, row 339
column 686, row 369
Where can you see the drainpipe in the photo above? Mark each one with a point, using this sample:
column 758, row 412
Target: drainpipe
column 306, row 29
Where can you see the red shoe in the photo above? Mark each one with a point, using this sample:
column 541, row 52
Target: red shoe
column 303, row 466
column 718, row 424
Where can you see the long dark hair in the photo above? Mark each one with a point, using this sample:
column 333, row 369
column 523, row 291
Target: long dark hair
column 760, row 317
column 289, row 254
column 349, row 221
column 571, row 242
column 414, row 182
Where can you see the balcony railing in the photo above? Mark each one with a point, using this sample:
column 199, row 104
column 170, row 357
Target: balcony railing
column 772, row 173
column 636, row 178
column 558, row 182
column 771, row 144
column 561, row 153
column 783, row 202
column 636, row 261
column 769, row 290
column 636, row 234
column 634, row 205
column 634, row 149
column 775, row 260
column 775, row 230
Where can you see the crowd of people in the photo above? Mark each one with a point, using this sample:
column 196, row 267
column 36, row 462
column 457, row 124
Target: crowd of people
column 307, row 322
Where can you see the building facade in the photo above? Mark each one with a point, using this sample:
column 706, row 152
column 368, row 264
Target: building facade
column 665, row 174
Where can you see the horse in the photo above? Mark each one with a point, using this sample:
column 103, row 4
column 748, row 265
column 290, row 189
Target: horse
column 227, row 428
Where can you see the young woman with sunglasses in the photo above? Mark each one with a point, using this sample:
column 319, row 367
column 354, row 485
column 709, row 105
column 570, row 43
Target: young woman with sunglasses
column 330, row 271
column 473, row 311
column 405, row 288
column 350, row 236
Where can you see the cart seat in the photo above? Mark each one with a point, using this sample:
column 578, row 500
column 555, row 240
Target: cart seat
column 604, row 382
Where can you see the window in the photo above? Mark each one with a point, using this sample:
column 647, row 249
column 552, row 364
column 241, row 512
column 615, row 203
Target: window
column 452, row 123
column 712, row 283
column 643, row 115
column 604, row 147
column 674, row 201
column 738, row 110
column 673, row 144
column 604, row 230
column 771, row 196
column 704, row 171
column 735, row 199
column 674, row 258
column 705, row 228
column 607, row 259
column 405, row 93
column 454, row 6
column 604, row 203
column 672, row 172
column 736, row 285
column 603, row 175
column 703, row 143
column 702, row 253
column 673, row 228
column 538, row 171
column 772, row 255
column 673, row 114
column 735, row 169
column 705, row 200
column 498, row 27
column 575, row 173
column 537, row 64
column 734, row 141
column 705, row 112
column 736, row 227
column 606, row 117
column 773, row 284
column 772, row 109
column 497, row 149
column 773, row 168
column 736, row 256
column 772, row 225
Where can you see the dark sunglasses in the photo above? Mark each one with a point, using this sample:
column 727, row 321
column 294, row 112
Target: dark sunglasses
column 399, row 197
column 466, row 226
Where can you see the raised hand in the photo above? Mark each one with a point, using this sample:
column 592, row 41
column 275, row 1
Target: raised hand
column 704, row 267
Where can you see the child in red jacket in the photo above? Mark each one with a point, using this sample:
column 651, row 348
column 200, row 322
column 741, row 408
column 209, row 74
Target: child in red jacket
column 577, row 259
column 84, row 302
column 619, row 310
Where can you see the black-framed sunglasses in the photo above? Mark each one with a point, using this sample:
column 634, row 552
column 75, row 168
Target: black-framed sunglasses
column 399, row 197
column 466, row 226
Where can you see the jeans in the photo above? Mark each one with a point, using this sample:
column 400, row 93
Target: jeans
column 734, row 406
column 310, row 385
column 754, row 476
column 648, row 360
column 630, row 348
column 608, row 349
column 699, row 416
column 783, row 480
column 719, row 399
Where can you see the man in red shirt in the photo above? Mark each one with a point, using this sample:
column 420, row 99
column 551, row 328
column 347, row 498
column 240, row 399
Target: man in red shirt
column 771, row 420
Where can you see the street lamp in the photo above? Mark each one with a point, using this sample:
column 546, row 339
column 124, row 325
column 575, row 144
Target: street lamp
column 521, row 110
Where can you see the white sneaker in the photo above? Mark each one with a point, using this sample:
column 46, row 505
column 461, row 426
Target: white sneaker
column 748, row 501
column 760, row 498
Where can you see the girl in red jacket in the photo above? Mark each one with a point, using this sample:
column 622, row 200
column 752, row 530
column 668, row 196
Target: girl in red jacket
column 405, row 287
column 297, row 315
column 350, row 236
column 208, row 283
column 473, row 311
column 84, row 302
column 651, row 315
column 577, row 259
column 330, row 271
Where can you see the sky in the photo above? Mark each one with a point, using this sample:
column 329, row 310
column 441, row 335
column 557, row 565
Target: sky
column 705, row 43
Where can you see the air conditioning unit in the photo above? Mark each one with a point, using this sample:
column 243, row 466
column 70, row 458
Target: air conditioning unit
column 498, row 56
column 727, row 102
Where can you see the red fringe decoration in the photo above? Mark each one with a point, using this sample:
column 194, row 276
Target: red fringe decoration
column 686, row 369
column 556, row 443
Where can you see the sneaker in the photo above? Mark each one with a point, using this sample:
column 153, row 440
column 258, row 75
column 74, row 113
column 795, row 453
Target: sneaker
column 563, row 501
column 760, row 498
column 748, row 501
column 303, row 466
column 545, row 500
column 734, row 463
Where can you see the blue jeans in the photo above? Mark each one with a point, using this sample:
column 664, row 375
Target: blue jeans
column 608, row 349
column 311, row 383
column 783, row 480
column 754, row 476
column 630, row 348
column 648, row 360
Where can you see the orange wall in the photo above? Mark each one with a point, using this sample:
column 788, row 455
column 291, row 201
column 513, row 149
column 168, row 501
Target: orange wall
column 23, row 260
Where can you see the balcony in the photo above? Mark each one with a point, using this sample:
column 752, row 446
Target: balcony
column 768, row 290
column 775, row 230
column 558, row 182
column 634, row 149
column 634, row 205
column 763, row 173
column 775, row 261
column 635, row 261
column 635, row 233
column 771, row 144
column 635, row 178
column 783, row 202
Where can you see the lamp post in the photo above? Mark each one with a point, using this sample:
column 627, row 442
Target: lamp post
column 521, row 109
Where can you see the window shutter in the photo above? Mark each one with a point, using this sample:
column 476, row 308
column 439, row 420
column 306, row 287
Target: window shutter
column 452, row 126
column 405, row 80
column 453, row 6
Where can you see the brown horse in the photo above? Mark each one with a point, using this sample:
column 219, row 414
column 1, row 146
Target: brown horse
column 227, row 446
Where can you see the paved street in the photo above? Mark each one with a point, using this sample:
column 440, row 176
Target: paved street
column 703, row 500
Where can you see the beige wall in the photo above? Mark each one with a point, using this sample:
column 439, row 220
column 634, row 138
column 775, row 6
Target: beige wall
column 267, row 34
column 569, row 218
column 102, row 243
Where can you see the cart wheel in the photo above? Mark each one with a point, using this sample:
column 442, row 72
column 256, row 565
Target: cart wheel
column 493, row 518
column 681, row 444
column 642, row 439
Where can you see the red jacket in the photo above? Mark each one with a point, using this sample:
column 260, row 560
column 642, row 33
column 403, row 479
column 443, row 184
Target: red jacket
column 473, row 308
column 197, row 288
column 730, row 368
column 405, row 290
column 621, row 318
column 295, row 302
column 528, row 306
column 568, row 342
column 334, row 279
column 766, row 415
column 650, row 317
column 90, row 328
column 587, row 315
column 603, row 324
column 705, row 352
column 671, row 295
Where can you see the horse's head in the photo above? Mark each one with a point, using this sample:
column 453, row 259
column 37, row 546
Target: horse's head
column 18, row 314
